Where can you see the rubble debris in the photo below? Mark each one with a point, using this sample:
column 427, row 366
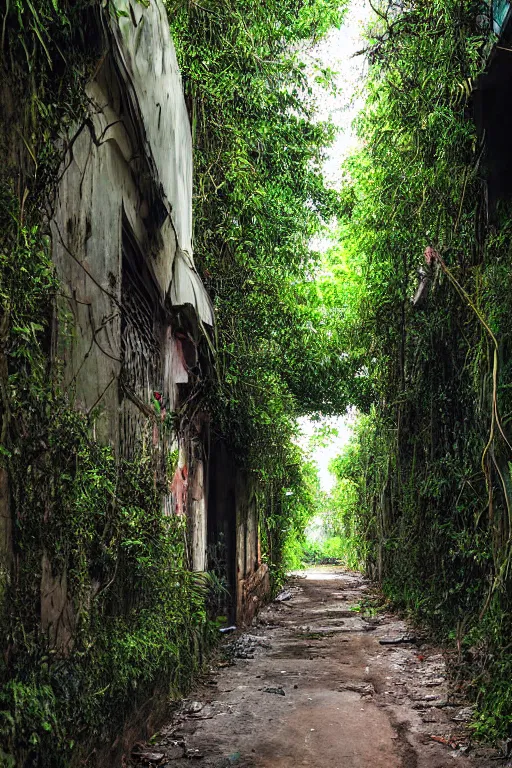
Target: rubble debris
column 244, row 646
column 505, row 747
column 193, row 754
column 449, row 742
column 365, row 689
column 174, row 750
column 398, row 640
column 464, row 715
column 425, row 704
column 150, row 757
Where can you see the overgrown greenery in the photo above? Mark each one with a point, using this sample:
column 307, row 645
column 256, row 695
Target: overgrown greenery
column 83, row 516
column 87, row 525
column 259, row 199
column 432, row 455
column 326, row 531
column 423, row 494
column 137, row 616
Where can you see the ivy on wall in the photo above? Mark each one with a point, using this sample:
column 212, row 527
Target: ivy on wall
column 130, row 621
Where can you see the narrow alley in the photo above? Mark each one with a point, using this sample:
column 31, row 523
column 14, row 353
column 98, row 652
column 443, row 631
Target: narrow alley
column 318, row 683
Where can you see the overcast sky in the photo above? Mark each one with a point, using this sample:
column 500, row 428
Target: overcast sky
column 336, row 52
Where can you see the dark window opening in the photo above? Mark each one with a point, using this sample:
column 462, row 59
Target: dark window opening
column 493, row 114
column 143, row 322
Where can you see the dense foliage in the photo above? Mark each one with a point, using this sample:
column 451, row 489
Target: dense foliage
column 432, row 455
column 423, row 494
column 86, row 524
column 259, row 200
column 81, row 514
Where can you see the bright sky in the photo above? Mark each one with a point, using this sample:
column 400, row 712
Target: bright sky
column 336, row 52
column 323, row 456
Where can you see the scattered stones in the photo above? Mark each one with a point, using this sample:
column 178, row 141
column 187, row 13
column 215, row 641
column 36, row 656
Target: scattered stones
column 398, row 640
column 365, row 689
column 427, row 698
column 505, row 747
column 464, row 715
column 153, row 758
column 259, row 641
column 175, row 750
column 425, row 704
column 193, row 754
column 444, row 740
column 432, row 716
column 244, row 646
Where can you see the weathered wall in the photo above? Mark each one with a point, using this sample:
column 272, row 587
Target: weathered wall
column 253, row 585
column 132, row 309
column 128, row 176
column 132, row 306
column 146, row 60
column 198, row 497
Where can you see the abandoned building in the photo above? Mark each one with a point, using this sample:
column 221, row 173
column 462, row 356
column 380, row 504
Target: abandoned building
column 134, row 321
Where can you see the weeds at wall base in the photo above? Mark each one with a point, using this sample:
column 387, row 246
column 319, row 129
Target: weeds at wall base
column 88, row 530
column 76, row 680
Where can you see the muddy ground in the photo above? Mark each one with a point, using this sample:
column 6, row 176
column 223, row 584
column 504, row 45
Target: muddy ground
column 316, row 683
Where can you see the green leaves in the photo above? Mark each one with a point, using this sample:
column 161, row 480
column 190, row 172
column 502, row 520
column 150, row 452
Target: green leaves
column 434, row 526
column 259, row 199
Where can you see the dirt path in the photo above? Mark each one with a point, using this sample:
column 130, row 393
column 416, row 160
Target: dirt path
column 311, row 685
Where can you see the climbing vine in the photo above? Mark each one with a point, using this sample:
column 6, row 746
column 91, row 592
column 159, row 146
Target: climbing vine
column 432, row 455
column 130, row 621
column 259, row 199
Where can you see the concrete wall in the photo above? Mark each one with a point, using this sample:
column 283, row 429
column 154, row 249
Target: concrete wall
column 197, row 509
column 129, row 168
column 133, row 308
